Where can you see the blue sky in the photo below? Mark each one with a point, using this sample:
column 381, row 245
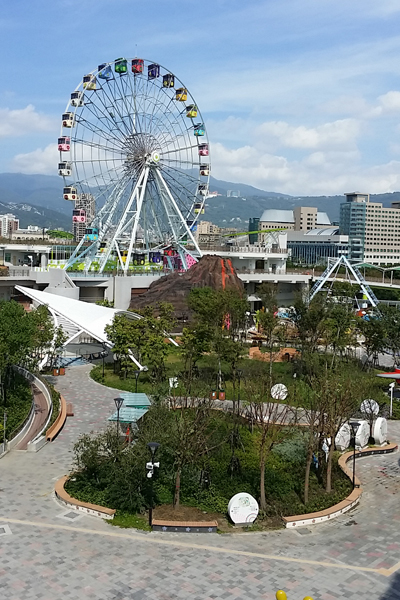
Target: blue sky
column 301, row 97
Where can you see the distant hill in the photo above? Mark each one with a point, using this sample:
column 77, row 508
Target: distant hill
column 36, row 215
column 45, row 193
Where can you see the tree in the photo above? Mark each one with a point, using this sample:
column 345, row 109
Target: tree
column 310, row 321
column 268, row 417
column 193, row 434
column 145, row 338
column 342, row 394
column 390, row 317
column 374, row 333
column 195, row 340
column 339, row 330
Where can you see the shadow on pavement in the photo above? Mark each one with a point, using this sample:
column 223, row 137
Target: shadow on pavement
column 393, row 591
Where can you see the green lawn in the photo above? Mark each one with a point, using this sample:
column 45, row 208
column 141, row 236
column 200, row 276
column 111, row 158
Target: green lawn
column 208, row 367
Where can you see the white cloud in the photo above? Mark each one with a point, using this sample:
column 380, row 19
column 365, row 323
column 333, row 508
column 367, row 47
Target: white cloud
column 389, row 103
column 319, row 173
column 23, row 121
column 336, row 134
column 40, row 161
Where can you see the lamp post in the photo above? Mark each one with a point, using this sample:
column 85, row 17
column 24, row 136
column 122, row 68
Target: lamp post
column 4, row 431
column 137, row 373
column 152, row 446
column 354, row 428
column 118, row 403
column 239, row 374
column 391, row 386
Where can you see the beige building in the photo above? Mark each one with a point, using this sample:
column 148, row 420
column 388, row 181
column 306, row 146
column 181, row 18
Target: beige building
column 373, row 230
column 302, row 218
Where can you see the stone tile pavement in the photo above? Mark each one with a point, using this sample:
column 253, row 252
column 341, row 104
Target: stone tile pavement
column 46, row 557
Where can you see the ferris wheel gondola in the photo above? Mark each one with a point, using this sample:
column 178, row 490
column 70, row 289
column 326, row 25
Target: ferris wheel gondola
column 127, row 141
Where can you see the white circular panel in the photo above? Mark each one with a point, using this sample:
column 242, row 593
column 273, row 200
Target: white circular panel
column 243, row 508
column 279, row 391
column 362, row 435
column 369, row 406
column 380, row 430
column 343, row 437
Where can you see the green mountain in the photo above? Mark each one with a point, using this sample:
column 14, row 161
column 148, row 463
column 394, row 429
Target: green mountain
column 44, row 192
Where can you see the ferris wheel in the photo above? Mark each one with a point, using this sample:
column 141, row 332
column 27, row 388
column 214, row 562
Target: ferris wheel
column 134, row 156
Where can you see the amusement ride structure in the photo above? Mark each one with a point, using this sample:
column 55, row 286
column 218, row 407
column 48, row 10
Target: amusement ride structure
column 133, row 142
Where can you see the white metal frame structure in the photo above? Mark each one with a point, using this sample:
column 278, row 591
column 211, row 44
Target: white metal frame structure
column 137, row 145
column 77, row 317
column 353, row 276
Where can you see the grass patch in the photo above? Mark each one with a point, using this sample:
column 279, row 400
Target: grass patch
column 126, row 520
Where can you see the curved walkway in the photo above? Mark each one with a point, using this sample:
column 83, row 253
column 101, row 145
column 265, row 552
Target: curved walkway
column 48, row 554
column 39, row 419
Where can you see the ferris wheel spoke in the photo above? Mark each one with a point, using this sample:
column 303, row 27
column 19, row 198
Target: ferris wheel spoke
column 112, row 143
column 107, row 121
column 113, row 106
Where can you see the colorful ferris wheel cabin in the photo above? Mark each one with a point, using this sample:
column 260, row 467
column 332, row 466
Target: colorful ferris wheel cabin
column 89, row 82
column 137, row 66
column 204, row 170
column 121, row 66
column 68, row 120
column 77, row 99
column 155, row 257
column 203, row 150
column 153, row 71
column 192, row 225
column 168, row 80
column 191, row 111
column 91, row 234
column 181, row 95
column 203, row 189
column 70, row 193
column 199, row 208
column 199, row 130
column 105, row 71
column 79, row 215
column 64, row 169
column 64, row 144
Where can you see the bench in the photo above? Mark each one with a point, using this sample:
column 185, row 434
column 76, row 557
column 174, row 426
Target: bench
column 58, row 424
column 185, row 526
column 70, row 410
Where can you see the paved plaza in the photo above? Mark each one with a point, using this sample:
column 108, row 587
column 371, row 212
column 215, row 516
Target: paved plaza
column 48, row 552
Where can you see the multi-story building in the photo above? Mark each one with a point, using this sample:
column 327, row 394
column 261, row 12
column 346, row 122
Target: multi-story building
column 373, row 230
column 83, row 214
column 302, row 218
column 8, row 224
column 314, row 247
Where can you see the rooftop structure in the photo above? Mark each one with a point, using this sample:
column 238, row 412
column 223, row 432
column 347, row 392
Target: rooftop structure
column 316, row 246
column 302, row 218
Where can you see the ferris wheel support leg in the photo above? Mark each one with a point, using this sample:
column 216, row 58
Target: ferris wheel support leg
column 75, row 255
column 174, row 204
column 137, row 217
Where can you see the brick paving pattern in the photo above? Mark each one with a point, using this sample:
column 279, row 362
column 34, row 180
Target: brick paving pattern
column 46, row 555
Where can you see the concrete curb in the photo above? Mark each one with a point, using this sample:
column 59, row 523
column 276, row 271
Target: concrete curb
column 346, row 504
column 90, row 509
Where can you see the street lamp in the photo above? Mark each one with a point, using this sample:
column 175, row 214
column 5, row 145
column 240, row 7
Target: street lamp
column 152, row 446
column 118, row 403
column 391, row 386
column 354, row 428
column 239, row 374
column 137, row 373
